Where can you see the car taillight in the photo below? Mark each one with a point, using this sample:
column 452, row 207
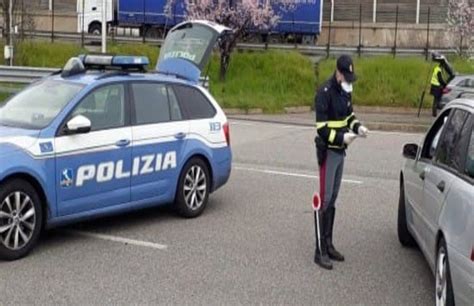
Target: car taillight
column 446, row 90
column 472, row 254
column 226, row 129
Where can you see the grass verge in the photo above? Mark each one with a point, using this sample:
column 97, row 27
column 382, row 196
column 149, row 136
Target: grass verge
column 388, row 81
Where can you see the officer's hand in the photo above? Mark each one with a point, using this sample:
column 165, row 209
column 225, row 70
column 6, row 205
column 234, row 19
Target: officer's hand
column 349, row 137
column 363, row 131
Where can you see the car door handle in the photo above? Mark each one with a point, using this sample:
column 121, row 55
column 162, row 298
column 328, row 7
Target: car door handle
column 423, row 175
column 180, row 136
column 122, row 143
column 441, row 186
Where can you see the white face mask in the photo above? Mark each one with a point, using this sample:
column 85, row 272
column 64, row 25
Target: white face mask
column 347, row 87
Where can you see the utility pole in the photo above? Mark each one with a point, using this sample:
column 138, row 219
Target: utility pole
column 83, row 21
column 10, row 26
column 417, row 11
column 374, row 13
column 104, row 26
column 52, row 21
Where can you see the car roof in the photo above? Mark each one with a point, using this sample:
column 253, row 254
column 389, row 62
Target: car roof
column 462, row 77
column 92, row 77
column 464, row 102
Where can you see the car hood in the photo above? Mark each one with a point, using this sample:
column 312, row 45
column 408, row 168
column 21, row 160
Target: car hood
column 14, row 139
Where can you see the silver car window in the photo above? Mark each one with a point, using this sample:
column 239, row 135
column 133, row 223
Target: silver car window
column 470, row 83
column 469, row 168
column 434, row 144
column 450, row 150
column 432, row 137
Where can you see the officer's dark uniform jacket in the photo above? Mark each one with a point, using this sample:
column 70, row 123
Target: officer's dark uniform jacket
column 334, row 116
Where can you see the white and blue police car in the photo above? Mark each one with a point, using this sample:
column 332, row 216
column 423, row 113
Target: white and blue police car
column 103, row 136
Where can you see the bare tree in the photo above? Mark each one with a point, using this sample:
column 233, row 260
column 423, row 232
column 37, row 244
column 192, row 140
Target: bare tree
column 22, row 19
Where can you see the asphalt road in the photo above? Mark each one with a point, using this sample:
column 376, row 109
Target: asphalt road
column 254, row 244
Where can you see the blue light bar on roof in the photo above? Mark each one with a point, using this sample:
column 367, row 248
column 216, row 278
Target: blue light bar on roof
column 115, row 61
column 130, row 60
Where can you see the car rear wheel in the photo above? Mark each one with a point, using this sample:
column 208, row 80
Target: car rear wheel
column 95, row 29
column 404, row 235
column 444, row 289
column 21, row 219
column 193, row 188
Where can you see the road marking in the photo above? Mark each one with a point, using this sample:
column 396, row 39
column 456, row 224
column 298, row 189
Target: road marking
column 275, row 124
column 241, row 123
column 287, row 125
column 120, row 240
column 292, row 174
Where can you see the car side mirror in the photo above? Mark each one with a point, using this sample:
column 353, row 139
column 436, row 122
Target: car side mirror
column 410, row 150
column 78, row 125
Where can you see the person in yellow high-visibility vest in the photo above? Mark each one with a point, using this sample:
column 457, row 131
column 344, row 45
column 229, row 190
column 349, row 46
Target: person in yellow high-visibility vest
column 438, row 82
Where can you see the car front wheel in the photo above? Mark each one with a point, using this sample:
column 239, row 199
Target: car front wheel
column 21, row 219
column 193, row 188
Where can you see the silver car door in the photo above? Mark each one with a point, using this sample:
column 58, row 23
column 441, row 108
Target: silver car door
column 457, row 224
column 440, row 175
column 415, row 175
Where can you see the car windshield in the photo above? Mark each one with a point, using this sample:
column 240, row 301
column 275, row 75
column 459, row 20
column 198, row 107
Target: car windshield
column 37, row 105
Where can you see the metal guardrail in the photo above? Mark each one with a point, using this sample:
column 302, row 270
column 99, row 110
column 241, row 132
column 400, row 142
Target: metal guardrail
column 26, row 75
column 23, row 75
column 305, row 49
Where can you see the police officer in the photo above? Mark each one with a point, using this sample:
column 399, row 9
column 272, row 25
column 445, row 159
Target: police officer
column 337, row 127
column 442, row 74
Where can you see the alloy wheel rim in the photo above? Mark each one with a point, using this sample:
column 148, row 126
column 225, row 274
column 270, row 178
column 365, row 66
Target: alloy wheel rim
column 195, row 187
column 441, row 278
column 17, row 220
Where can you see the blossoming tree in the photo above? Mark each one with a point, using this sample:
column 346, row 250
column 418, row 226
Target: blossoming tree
column 241, row 16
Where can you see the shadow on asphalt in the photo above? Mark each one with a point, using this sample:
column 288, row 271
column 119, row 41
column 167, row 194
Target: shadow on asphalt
column 109, row 224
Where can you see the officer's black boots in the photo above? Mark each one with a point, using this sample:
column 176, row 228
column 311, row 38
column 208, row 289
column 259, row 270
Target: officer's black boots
column 321, row 256
column 329, row 217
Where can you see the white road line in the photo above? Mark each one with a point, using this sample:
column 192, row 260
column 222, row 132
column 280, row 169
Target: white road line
column 394, row 133
column 277, row 125
column 233, row 122
column 120, row 240
column 293, row 174
column 307, row 128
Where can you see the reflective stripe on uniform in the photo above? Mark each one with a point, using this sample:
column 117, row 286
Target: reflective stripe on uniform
column 320, row 125
column 337, row 124
column 353, row 123
column 332, row 136
column 334, row 124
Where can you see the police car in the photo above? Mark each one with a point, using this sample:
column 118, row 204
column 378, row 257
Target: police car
column 102, row 137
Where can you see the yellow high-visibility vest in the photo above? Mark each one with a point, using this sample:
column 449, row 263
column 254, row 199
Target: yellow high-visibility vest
column 434, row 78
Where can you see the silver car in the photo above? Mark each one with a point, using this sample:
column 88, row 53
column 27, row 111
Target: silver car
column 459, row 87
column 436, row 206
